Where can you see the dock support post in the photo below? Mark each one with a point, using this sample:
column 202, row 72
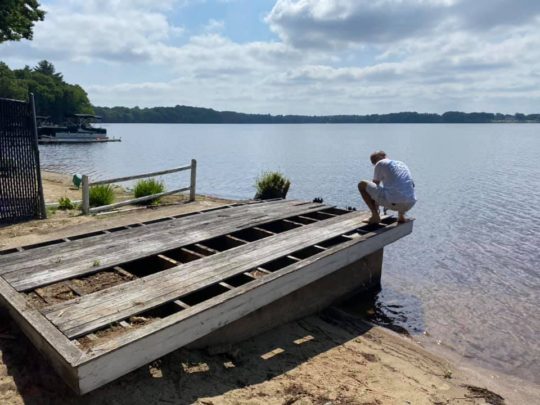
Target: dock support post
column 193, row 180
column 85, row 195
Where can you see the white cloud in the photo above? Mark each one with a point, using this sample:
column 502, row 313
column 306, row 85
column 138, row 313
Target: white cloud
column 214, row 25
column 337, row 23
column 332, row 57
column 116, row 30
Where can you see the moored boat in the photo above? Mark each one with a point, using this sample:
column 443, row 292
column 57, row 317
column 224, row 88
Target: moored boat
column 77, row 129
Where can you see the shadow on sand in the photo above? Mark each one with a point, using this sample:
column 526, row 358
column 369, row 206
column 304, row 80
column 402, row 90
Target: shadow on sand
column 184, row 376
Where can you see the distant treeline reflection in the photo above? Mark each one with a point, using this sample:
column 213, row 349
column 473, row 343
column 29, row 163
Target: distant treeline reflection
column 197, row 115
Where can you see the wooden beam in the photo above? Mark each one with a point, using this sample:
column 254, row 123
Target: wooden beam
column 308, row 218
column 225, row 285
column 206, row 248
column 234, row 238
column 168, row 260
column 123, row 272
column 264, row 230
column 293, row 223
column 181, row 304
column 54, row 345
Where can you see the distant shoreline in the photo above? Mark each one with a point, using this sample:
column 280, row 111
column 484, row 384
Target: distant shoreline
column 318, row 123
column 198, row 115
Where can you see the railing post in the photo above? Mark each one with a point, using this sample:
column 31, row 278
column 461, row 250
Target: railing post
column 193, row 180
column 85, row 195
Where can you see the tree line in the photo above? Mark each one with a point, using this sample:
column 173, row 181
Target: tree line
column 181, row 114
column 54, row 97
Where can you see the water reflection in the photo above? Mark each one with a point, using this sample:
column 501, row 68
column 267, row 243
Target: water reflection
column 394, row 310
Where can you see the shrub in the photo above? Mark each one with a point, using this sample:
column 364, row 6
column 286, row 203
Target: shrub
column 102, row 194
column 271, row 185
column 64, row 203
column 148, row 187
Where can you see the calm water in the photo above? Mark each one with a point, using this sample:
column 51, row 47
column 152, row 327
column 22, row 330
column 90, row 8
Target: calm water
column 469, row 274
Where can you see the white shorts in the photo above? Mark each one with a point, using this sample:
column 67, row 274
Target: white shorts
column 378, row 194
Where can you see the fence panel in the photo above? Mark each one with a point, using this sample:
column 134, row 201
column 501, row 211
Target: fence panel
column 21, row 192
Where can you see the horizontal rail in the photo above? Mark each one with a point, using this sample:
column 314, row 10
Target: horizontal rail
column 140, row 176
column 136, row 200
column 57, row 204
column 86, row 184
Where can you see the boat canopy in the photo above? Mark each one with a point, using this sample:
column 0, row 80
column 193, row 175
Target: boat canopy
column 84, row 116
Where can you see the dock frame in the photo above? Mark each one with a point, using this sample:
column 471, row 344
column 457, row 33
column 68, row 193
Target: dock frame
column 102, row 304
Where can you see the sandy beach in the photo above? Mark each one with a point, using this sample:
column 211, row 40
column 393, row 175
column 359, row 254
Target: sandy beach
column 327, row 358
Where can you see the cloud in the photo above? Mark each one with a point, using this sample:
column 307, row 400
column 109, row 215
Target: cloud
column 338, row 23
column 118, row 30
column 214, row 25
column 328, row 57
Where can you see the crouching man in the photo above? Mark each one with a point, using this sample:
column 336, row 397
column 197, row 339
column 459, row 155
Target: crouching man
column 392, row 187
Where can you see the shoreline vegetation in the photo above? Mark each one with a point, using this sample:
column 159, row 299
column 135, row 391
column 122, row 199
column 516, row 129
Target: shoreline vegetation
column 182, row 114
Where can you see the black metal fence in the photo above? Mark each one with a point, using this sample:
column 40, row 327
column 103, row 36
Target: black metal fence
column 21, row 192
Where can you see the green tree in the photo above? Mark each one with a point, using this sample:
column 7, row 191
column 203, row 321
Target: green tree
column 17, row 18
column 10, row 87
column 53, row 96
column 47, row 68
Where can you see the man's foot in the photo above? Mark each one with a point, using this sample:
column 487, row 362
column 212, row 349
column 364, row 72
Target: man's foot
column 374, row 219
column 402, row 219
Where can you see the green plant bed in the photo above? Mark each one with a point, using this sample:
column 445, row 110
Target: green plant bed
column 148, row 187
column 102, row 194
column 271, row 185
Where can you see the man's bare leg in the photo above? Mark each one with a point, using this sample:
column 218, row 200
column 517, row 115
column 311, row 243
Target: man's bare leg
column 372, row 205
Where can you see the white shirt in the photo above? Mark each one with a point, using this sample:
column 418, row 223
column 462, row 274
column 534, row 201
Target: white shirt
column 396, row 179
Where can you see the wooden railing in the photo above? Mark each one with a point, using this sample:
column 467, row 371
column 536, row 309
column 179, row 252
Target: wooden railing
column 86, row 184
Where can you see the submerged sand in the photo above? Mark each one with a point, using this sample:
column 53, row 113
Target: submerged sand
column 328, row 358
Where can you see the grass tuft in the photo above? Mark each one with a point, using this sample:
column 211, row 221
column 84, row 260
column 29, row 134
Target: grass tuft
column 102, row 194
column 64, row 203
column 271, row 185
column 148, row 187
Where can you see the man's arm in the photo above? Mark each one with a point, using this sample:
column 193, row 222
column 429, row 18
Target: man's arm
column 377, row 175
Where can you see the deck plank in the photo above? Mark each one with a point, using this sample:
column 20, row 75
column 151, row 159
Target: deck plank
column 43, row 271
column 80, row 316
column 8, row 263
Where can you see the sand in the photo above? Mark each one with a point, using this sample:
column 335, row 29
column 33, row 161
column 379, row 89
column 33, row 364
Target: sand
column 327, row 358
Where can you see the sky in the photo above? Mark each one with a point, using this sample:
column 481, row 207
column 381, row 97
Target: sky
column 314, row 57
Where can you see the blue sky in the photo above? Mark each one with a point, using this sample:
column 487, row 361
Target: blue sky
column 295, row 56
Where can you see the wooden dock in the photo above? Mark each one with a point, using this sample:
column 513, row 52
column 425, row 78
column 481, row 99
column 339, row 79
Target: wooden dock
column 102, row 304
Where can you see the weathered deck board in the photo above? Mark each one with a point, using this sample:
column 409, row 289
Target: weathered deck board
column 132, row 231
column 96, row 310
column 121, row 247
column 124, row 353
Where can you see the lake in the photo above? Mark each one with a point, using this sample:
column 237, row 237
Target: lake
column 469, row 274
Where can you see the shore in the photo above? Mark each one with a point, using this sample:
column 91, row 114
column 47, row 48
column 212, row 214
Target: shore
column 328, row 358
